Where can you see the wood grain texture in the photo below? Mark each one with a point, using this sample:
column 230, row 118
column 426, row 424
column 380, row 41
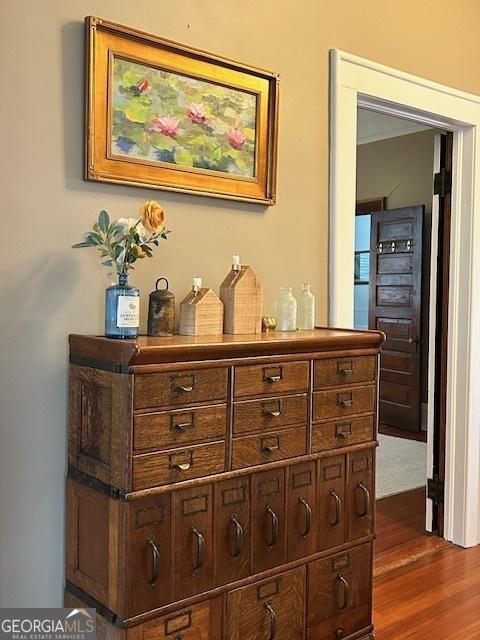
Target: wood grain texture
column 346, row 401
column 302, row 511
column 361, row 493
column 339, row 371
column 175, row 465
column 249, row 609
column 268, row 519
column 170, row 429
column 242, row 296
column 201, row 314
column 268, row 414
column 265, row 379
column 342, row 433
column 268, row 447
column 332, row 503
column 174, row 389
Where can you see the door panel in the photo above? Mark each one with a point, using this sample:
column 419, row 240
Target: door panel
column 361, row 493
column 301, row 511
column 268, row 519
column 192, row 541
column 395, row 308
column 331, row 502
column 269, row 609
column 232, row 529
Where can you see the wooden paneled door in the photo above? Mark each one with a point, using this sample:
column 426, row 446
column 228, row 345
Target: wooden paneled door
column 395, row 308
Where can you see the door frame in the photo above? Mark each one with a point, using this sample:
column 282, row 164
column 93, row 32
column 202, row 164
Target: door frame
column 358, row 82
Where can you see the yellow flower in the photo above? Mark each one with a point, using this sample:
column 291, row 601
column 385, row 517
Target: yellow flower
column 152, row 216
column 138, row 251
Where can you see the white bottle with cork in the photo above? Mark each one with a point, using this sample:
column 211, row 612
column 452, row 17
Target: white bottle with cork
column 306, row 309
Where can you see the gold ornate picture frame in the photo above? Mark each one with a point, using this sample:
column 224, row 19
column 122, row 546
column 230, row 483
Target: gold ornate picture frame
column 166, row 116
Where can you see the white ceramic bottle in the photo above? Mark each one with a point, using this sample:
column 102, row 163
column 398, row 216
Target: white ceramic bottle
column 286, row 310
column 306, row 309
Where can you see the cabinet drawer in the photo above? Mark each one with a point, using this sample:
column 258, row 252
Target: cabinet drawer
column 202, row 621
column 333, row 435
column 336, row 403
column 264, row 379
column 168, row 429
column 171, row 389
column 302, row 515
column 268, row 447
column 269, row 413
column 339, row 594
column 268, row 519
column 175, row 465
column 361, row 493
column 337, row 371
column 272, row 608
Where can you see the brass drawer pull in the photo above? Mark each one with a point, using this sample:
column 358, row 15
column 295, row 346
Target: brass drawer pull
column 367, row 498
column 345, row 589
column 274, row 526
column 338, row 509
column 345, row 402
column 155, row 558
column 345, row 372
column 272, row 413
column 200, row 550
column 270, row 448
column 272, row 374
column 238, row 536
column 180, row 466
column 183, row 384
column 343, row 430
column 308, row 517
column 273, row 620
column 181, row 427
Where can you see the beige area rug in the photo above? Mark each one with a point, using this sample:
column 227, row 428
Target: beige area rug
column 401, row 465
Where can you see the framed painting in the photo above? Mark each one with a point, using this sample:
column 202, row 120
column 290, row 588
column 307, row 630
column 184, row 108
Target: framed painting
column 167, row 116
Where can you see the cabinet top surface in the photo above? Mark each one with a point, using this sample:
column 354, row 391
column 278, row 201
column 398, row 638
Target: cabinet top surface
column 149, row 350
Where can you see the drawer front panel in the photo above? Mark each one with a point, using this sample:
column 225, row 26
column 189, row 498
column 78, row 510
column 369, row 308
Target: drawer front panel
column 361, row 493
column 265, row 379
column 232, row 530
column 332, row 504
column 342, row 433
column 339, row 594
column 268, row 519
column 272, row 608
column 169, row 429
column 171, row 389
column 336, row 403
column 338, row 371
column 268, row 447
column 202, row 621
column 192, row 541
column 154, row 469
column 302, row 516
column 149, row 553
column 269, row 413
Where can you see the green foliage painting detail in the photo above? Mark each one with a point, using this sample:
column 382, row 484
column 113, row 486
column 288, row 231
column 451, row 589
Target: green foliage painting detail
column 164, row 117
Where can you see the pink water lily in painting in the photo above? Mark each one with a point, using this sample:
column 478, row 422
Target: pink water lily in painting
column 143, row 85
column 168, row 125
column 236, row 138
column 196, row 113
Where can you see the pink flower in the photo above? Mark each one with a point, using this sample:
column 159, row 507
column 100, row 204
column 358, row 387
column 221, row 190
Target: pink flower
column 236, row 138
column 168, row 125
column 143, row 85
column 196, row 113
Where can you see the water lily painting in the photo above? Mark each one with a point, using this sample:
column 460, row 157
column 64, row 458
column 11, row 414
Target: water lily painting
column 166, row 116
column 159, row 116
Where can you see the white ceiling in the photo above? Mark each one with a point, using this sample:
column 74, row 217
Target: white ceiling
column 373, row 126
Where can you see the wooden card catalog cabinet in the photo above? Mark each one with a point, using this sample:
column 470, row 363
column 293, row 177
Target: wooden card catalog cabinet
column 223, row 488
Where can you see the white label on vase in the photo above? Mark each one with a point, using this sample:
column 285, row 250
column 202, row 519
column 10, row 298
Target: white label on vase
column 128, row 311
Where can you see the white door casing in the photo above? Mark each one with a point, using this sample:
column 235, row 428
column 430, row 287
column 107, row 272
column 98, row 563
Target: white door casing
column 358, row 82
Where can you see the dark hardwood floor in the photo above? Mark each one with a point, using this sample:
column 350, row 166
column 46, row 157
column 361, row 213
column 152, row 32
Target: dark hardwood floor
column 387, row 430
column 401, row 537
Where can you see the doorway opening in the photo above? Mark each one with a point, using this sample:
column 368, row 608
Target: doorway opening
column 395, row 270
column 358, row 82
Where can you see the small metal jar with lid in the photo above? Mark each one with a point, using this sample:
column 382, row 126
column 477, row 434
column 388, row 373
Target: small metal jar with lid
column 161, row 311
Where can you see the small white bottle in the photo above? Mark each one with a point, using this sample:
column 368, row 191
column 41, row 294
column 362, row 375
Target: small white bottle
column 306, row 309
column 286, row 310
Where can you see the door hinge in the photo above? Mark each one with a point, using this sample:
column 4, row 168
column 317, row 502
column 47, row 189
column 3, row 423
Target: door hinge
column 442, row 183
column 436, row 490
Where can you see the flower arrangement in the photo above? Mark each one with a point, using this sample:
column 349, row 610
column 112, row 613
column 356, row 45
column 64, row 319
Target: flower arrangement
column 126, row 240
